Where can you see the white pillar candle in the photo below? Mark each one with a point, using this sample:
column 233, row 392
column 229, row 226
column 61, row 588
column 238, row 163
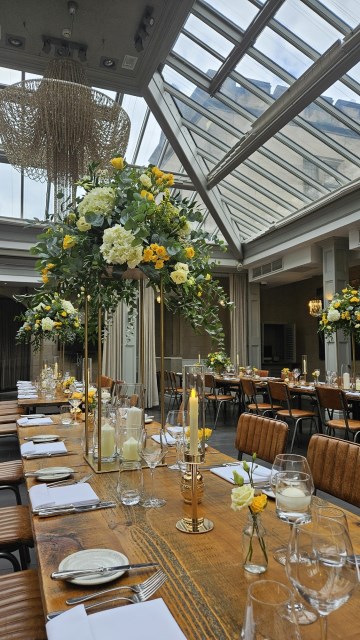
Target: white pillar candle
column 292, row 499
column 199, row 359
column 193, row 422
column 130, row 449
column 237, row 359
column 107, row 440
column 56, row 370
column 134, row 417
column 304, row 365
column 346, row 381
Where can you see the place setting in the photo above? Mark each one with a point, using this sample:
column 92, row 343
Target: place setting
column 79, row 497
column 43, row 448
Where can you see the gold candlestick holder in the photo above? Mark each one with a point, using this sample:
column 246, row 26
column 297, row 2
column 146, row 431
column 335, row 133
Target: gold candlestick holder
column 193, row 443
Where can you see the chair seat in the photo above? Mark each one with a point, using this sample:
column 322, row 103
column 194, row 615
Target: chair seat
column 22, row 616
column 11, row 417
column 353, row 425
column 296, row 413
column 219, row 398
column 15, row 527
column 8, row 429
column 11, row 472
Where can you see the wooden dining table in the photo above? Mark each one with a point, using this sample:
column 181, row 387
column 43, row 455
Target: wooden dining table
column 206, row 586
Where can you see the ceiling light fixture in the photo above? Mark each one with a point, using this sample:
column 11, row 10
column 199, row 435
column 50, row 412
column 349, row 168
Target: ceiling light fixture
column 51, row 128
column 15, row 41
column 108, row 63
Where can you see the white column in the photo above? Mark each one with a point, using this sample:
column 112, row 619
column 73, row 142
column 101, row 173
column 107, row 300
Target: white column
column 254, row 325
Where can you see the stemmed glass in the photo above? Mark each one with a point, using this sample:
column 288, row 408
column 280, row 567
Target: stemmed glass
column 75, row 403
column 175, row 423
column 320, row 565
column 153, row 448
column 296, row 374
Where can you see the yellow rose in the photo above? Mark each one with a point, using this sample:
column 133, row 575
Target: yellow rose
column 259, row 503
column 47, row 308
column 159, row 264
column 161, row 252
column 354, row 299
column 27, row 327
column 208, row 277
column 146, row 194
column 117, row 163
column 69, row 242
column 179, row 276
column 82, row 225
column 147, row 255
column 44, row 278
column 64, row 314
column 157, row 172
column 241, row 497
column 50, row 265
column 189, row 252
column 154, row 246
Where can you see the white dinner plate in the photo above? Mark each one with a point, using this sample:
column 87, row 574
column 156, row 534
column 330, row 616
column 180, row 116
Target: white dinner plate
column 92, row 558
column 53, row 473
column 40, row 439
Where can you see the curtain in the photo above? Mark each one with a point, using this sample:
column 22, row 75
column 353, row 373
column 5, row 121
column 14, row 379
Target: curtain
column 151, row 388
column 238, row 318
column 113, row 345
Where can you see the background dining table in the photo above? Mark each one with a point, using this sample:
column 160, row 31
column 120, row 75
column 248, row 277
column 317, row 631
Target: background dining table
column 207, row 585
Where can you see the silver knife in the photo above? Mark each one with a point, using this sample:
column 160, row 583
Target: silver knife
column 77, row 573
column 46, row 513
column 31, row 456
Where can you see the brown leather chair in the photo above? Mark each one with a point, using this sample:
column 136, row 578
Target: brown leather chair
column 214, row 395
column 107, row 383
column 249, row 393
column 264, row 436
column 15, row 535
column 331, row 399
column 335, row 467
column 22, row 615
column 11, row 476
column 279, row 393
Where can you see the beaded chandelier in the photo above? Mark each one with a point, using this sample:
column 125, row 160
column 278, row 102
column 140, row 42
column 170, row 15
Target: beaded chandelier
column 52, row 128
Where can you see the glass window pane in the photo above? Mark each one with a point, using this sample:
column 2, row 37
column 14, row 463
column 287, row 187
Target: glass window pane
column 306, row 24
column 286, row 55
column 150, row 145
column 196, row 55
column 34, row 198
column 177, row 81
column 10, row 180
column 136, row 109
column 258, row 73
column 347, row 10
column 240, row 12
column 204, row 33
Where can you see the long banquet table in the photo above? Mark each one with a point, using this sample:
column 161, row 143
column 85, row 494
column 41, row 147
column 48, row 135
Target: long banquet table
column 207, row 586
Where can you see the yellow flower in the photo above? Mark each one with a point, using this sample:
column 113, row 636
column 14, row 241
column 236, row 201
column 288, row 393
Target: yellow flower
column 157, row 172
column 146, row 194
column 76, row 394
column 57, row 324
column 336, row 305
column 159, row 264
column 161, row 252
column 259, row 503
column 27, row 327
column 354, row 299
column 208, row 277
column 50, row 265
column 44, row 278
column 117, row 163
column 76, row 324
column 147, row 254
column 179, row 276
column 47, row 308
column 169, row 179
column 154, row 246
column 189, row 252
column 69, row 242
column 64, row 314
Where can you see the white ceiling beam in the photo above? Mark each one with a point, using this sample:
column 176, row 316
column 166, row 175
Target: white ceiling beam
column 169, row 119
column 338, row 59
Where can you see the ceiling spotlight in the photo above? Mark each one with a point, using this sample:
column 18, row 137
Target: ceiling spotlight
column 15, row 41
column 108, row 63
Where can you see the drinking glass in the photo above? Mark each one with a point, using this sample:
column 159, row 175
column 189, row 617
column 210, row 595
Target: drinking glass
column 175, row 423
column 75, row 403
column 269, row 612
column 65, row 415
column 130, row 482
column 287, row 462
column 296, row 373
column 320, row 565
column 153, row 448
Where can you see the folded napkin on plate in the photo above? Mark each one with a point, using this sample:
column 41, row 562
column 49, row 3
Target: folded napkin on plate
column 168, row 438
column 261, row 474
column 34, row 422
column 27, row 396
column 19, row 382
column 29, row 448
column 136, row 622
column 42, row 495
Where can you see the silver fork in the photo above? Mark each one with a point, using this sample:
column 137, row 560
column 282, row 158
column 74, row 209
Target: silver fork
column 136, row 588
column 59, row 483
column 138, row 597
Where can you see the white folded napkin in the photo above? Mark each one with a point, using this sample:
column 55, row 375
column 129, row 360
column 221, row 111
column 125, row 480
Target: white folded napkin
column 34, row 422
column 261, row 474
column 168, row 438
column 135, row 622
column 42, row 495
column 30, row 448
column 27, row 396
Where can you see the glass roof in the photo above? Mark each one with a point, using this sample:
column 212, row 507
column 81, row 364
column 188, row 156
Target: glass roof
column 265, row 112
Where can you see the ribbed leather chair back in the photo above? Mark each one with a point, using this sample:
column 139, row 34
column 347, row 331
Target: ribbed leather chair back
column 335, row 466
column 264, row 436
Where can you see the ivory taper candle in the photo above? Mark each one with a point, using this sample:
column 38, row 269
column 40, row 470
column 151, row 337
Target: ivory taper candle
column 194, row 422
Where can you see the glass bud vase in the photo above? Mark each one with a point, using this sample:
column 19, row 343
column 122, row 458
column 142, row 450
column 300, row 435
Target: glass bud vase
column 255, row 556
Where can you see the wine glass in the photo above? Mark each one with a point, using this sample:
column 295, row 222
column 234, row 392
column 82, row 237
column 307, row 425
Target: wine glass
column 296, row 374
column 269, row 612
column 75, row 403
column 287, row 462
column 320, row 565
column 153, row 448
column 175, row 423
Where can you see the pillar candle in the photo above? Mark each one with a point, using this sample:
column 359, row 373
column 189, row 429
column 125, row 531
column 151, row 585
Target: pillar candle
column 346, row 381
column 107, row 440
column 193, row 422
column 56, row 370
column 134, row 417
column 304, row 364
column 292, row 499
column 130, row 449
column 199, row 359
column 237, row 359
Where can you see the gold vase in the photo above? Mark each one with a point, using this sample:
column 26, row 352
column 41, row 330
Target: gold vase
column 186, row 486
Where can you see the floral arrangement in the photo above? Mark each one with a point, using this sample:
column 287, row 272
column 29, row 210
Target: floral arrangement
column 128, row 218
column 342, row 313
column 285, row 371
column 203, row 433
column 92, row 399
column 68, row 382
column 53, row 318
column 243, row 495
column 217, row 360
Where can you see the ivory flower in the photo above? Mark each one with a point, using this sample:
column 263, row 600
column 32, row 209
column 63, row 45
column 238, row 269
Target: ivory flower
column 47, row 324
column 145, row 180
column 333, row 315
column 242, row 497
column 117, row 247
column 179, row 276
column 100, row 200
column 181, row 266
column 82, row 225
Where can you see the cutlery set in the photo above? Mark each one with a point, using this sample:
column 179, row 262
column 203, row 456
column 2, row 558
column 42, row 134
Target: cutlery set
column 47, row 512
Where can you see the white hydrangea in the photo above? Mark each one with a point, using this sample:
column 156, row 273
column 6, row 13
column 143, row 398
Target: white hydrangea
column 181, row 266
column 333, row 315
column 39, row 307
column 100, row 200
column 117, row 247
column 47, row 324
column 67, row 306
column 145, row 180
